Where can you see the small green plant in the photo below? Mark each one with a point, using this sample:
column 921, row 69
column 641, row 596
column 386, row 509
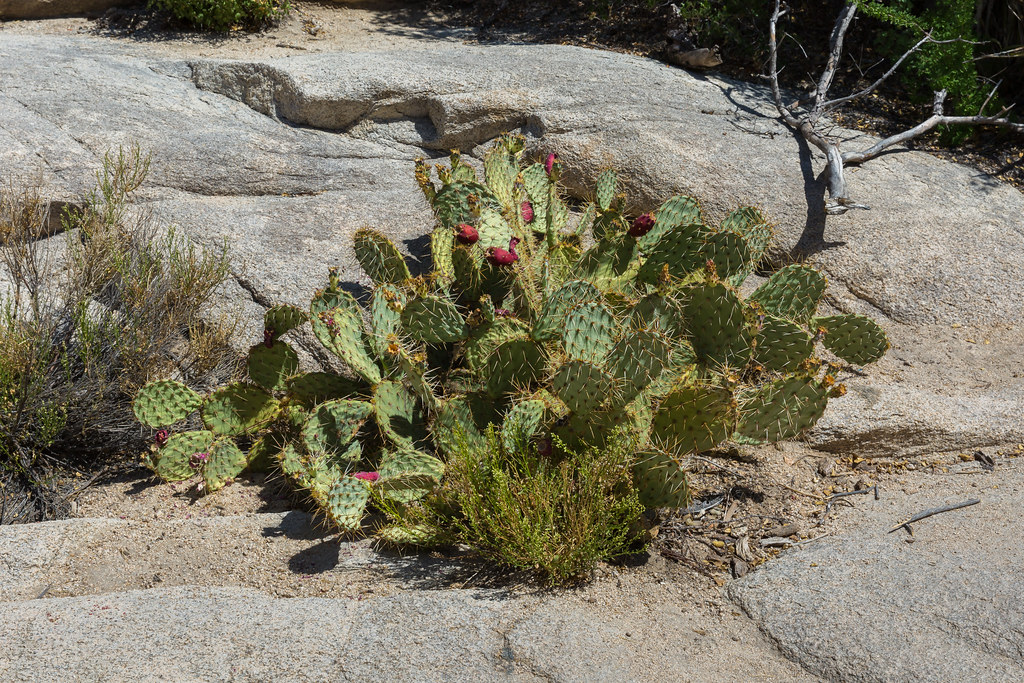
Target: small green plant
column 86, row 319
column 223, row 15
column 529, row 510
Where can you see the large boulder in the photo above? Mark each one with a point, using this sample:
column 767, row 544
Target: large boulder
column 286, row 158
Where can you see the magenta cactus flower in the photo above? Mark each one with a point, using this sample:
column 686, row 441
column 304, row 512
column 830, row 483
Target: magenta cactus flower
column 367, row 476
column 549, row 163
column 198, row 460
column 642, row 225
column 466, row 234
column 161, row 437
column 526, row 208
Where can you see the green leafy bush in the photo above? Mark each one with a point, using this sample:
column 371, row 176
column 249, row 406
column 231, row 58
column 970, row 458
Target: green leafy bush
column 85, row 321
column 223, row 15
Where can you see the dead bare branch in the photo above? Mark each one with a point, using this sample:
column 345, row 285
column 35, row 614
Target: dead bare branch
column 807, row 123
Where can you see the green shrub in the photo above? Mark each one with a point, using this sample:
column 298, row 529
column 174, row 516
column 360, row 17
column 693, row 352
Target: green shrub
column 85, row 320
column 223, row 15
column 948, row 66
column 558, row 516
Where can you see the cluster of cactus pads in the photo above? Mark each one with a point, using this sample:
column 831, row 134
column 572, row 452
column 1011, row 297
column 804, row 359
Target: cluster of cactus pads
column 563, row 329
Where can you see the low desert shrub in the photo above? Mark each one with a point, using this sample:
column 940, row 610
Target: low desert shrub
column 557, row 516
column 223, row 15
column 86, row 319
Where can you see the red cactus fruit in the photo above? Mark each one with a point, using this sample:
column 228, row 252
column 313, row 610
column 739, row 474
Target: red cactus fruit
column 367, row 476
column 501, row 257
column 268, row 337
column 161, row 437
column 527, row 210
column 544, row 447
column 502, row 312
column 549, row 163
column 466, row 234
column 641, row 225
column 512, row 247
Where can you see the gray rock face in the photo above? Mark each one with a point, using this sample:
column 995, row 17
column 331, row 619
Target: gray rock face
column 866, row 605
column 42, row 9
column 398, row 619
column 285, row 158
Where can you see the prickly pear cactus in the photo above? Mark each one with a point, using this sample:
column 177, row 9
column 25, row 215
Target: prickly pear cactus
column 562, row 329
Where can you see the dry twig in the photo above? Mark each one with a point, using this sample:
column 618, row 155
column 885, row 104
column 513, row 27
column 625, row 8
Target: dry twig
column 928, row 513
column 815, row 105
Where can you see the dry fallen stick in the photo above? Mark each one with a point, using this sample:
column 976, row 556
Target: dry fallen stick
column 928, row 513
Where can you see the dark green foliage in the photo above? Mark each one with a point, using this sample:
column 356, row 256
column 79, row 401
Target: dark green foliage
column 223, row 15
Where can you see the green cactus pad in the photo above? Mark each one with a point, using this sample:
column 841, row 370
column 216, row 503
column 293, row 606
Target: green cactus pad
column 442, row 242
column 676, row 211
column 453, row 428
column 605, row 190
column 419, row 535
column 263, row 451
column 635, row 361
column 271, row 367
column 589, row 333
column 171, row 462
column 752, row 226
column 693, row 419
column 434, row 320
column 678, row 251
column 854, row 338
column 501, row 171
column 792, row 292
column 164, row 402
column 680, row 369
column 415, row 473
column 582, row 386
column 549, row 324
column 466, row 267
column 337, row 322
column 730, row 254
column 225, row 463
column 379, row 257
column 334, row 424
column 453, row 205
column 716, row 325
column 660, row 313
column 493, row 229
column 238, row 409
column 313, row 388
column 487, row 309
column 386, row 306
column 660, row 480
column 344, row 502
column 781, row 409
column 282, row 319
column 610, row 264
column 398, row 414
column 521, row 423
column 782, row 345
column 290, row 461
column 513, row 365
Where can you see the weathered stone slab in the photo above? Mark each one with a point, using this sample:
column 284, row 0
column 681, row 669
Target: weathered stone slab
column 867, row 605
